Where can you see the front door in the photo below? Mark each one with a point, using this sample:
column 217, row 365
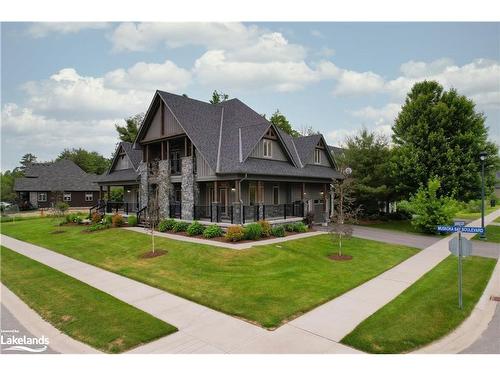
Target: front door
column 223, row 200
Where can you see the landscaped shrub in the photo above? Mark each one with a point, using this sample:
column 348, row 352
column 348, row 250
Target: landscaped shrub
column 108, row 219
column 253, row 231
column 117, row 220
column 96, row 217
column 180, row 226
column 474, row 205
column 289, row 227
column 309, row 219
column 299, row 227
column 213, row 231
column 166, row 225
column 195, row 229
column 429, row 209
column 278, row 231
column 266, row 228
column 73, row 218
column 235, row 233
column 132, row 221
column 97, row 226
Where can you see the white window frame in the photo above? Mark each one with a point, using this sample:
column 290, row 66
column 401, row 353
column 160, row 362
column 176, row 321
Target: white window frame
column 89, row 194
column 267, row 148
column 317, row 156
column 276, row 187
column 66, row 196
column 42, row 194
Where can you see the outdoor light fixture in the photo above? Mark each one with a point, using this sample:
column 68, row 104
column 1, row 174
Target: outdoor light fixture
column 233, row 189
column 348, row 171
column 482, row 157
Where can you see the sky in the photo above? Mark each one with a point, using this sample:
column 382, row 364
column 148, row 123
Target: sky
column 65, row 85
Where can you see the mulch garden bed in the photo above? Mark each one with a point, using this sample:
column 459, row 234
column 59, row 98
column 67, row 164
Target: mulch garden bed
column 340, row 257
column 151, row 254
column 225, row 240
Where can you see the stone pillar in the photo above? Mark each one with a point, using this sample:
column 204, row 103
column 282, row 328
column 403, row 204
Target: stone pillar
column 143, row 186
column 188, row 188
column 164, row 188
column 237, row 212
column 215, row 205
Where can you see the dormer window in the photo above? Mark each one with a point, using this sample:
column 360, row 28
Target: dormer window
column 268, row 148
column 317, row 156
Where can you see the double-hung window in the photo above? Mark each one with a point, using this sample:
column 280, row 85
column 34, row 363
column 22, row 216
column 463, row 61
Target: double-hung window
column 89, row 197
column 42, row 197
column 317, row 156
column 268, row 148
column 67, row 197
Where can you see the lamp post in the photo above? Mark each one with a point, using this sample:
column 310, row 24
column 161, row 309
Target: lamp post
column 482, row 157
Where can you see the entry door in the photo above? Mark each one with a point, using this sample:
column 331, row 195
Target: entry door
column 252, row 190
column 223, row 200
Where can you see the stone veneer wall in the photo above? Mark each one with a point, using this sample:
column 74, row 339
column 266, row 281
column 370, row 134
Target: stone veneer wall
column 188, row 188
column 143, row 187
column 164, row 188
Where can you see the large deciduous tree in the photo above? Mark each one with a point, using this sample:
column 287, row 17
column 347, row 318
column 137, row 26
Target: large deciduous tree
column 128, row 132
column 439, row 133
column 369, row 155
column 278, row 119
column 89, row 161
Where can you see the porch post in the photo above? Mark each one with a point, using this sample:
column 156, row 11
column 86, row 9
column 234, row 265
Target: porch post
column 237, row 212
column 100, row 192
column 214, row 206
column 108, row 197
column 325, row 205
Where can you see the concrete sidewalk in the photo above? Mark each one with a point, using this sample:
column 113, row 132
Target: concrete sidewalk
column 228, row 245
column 201, row 329
column 335, row 319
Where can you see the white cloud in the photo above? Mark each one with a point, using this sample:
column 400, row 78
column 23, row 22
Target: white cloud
column 43, row 29
column 386, row 113
column 146, row 35
column 213, row 68
column 143, row 76
column 47, row 136
column 121, row 92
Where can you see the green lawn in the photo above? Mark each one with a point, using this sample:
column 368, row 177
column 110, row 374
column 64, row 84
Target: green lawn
column 475, row 215
column 77, row 309
column 425, row 311
column 265, row 284
column 399, row 225
column 492, row 234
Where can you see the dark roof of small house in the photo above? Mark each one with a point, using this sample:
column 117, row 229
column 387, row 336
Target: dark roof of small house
column 225, row 134
column 135, row 155
column 119, row 176
column 130, row 174
column 61, row 175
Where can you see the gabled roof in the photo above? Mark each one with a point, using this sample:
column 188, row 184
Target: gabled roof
column 225, row 134
column 127, row 175
column 61, row 175
column 134, row 155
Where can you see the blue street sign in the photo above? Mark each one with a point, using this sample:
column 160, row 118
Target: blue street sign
column 453, row 228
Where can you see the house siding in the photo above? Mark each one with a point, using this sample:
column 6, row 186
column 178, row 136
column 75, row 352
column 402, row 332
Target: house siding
column 277, row 151
column 122, row 163
column 324, row 159
column 202, row 167
column 171, row 126
column 77, row 199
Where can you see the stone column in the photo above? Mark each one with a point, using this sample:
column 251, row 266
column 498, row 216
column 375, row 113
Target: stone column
column 143, row 186
column 237, row 212
column 164, row 188
column 187, row 187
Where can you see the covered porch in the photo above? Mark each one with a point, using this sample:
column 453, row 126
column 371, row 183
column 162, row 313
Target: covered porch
column 121, row 198
column 248, row 200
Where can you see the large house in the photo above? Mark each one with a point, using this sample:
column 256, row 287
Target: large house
column 45, row 184
column 221, row 163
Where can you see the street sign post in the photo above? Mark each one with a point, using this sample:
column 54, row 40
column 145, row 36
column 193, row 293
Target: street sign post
column 455, row 228
column 460, row 247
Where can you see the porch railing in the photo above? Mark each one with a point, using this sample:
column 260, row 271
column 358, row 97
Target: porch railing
column 286, row 210
column 141, row 214
column 250, row 213
column 175, row 210
column 202, row 212
column 124, row 207
column 99, row 207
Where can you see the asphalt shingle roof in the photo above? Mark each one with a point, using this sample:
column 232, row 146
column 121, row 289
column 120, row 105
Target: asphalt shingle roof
column 61, row 175
column 208, row 125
